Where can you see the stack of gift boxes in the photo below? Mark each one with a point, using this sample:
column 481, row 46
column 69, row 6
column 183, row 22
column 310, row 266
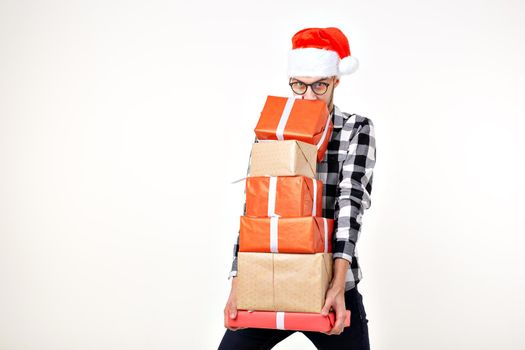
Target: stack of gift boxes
column 284, row 258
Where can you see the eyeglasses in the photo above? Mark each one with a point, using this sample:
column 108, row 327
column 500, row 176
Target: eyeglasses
column 300, row 88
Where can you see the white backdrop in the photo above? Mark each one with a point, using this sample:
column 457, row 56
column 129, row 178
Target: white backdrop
column 122, row 124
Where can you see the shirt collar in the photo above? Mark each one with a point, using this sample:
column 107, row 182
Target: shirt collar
column 338, row 117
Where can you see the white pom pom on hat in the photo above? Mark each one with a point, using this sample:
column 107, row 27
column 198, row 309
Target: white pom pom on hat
column 348, row 65
column 320, row 52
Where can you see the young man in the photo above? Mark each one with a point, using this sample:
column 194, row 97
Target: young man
column 318, row 58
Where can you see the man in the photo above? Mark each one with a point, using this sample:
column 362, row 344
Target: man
column 317, row 60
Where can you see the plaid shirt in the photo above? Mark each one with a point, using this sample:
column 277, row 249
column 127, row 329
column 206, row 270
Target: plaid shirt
column 346, row 172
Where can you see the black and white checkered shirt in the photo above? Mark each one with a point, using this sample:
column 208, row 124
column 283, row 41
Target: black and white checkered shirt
column 346, row 172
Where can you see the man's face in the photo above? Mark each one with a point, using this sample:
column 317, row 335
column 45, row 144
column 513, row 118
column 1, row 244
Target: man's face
column 327, row 97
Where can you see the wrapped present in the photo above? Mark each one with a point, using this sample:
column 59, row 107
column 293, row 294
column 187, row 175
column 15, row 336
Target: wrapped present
column 283, row 282
column 290, row 118
column 283, row 158
column 297, row 321
column 306, row 234
column 283, row 196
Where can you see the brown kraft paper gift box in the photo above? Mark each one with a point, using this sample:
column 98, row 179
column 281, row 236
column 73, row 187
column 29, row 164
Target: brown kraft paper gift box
column 283, row 282
column 283, row 158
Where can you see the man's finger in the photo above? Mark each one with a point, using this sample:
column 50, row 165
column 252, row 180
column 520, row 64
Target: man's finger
column 336, row 329
column 233, row 312
column 326, row 308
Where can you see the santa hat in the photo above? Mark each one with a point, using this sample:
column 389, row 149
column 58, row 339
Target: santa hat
column 320, row 52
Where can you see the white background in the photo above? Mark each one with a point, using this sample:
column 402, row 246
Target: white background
column 122, row 124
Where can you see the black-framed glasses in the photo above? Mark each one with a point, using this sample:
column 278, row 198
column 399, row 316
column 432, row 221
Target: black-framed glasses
column 300, row 87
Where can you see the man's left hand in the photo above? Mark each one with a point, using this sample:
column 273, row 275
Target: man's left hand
column 335, row 296
column 335, row 299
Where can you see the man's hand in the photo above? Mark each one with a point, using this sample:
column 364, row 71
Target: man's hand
column 230, row 310
column 335, row 296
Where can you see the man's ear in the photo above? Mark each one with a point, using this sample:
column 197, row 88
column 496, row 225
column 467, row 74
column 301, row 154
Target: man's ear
column 336, row 81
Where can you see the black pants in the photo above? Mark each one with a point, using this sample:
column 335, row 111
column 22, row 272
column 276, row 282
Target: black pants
column 354, row 337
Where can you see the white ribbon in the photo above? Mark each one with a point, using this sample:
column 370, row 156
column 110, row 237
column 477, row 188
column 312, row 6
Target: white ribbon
column 274, row 234
column 284, row 119
column 314, row 208
column 279, row 320
column 272, row 194
column 325, row 222
column 324, row 132
column 242, row 178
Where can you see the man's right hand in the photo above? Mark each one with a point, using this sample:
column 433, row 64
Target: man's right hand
column 230, row 310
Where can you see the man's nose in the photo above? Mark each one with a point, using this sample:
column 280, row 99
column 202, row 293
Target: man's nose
column 309, row 94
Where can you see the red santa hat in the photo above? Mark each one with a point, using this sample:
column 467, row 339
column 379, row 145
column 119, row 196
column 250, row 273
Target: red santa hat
column 320, row 52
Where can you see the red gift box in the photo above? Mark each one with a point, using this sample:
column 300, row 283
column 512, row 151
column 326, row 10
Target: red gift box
column 296, row 119
column 299, row 321
column 308, row 234
column 285, row 196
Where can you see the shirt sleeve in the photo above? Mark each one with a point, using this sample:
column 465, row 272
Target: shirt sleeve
column 355, row 188
column 233, row 270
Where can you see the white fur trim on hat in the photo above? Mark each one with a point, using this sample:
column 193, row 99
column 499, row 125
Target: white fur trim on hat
column 314, row 62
